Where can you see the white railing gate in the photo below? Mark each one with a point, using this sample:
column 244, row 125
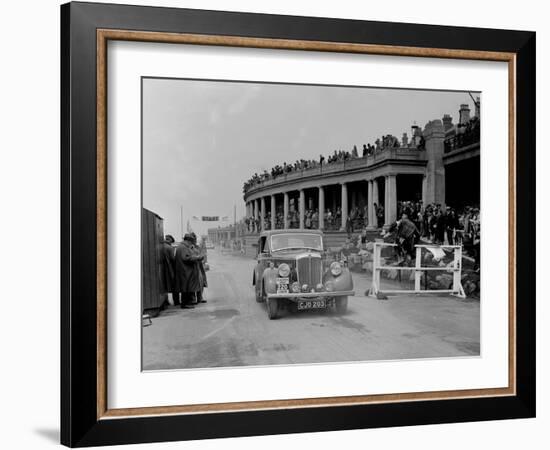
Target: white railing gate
column 456, row 269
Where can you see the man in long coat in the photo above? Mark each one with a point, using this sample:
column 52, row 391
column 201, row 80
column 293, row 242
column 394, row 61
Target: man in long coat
column 407, row 236
column 188, row 279
column 200, row 251
column 167, row 257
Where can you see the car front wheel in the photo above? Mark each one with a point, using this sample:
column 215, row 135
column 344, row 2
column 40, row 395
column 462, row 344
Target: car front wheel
column 341, row 305
column 259, row 296
column 272, row 308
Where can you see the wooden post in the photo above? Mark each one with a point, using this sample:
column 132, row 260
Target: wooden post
column 457, row 282
column 418, row 272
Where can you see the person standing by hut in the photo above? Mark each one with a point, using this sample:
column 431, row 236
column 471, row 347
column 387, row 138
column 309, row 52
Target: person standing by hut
column 167, row 274
column 187, row 279
column 200, row 250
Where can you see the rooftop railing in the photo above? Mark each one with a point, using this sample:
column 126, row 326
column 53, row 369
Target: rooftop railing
column 468, row 137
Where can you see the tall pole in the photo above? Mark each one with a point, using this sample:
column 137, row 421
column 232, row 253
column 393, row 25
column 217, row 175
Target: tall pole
column 181, row 220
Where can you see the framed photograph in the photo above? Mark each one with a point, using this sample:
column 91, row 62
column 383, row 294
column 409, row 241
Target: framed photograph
column 277, row 224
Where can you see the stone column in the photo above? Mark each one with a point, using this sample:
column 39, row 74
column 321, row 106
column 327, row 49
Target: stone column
column 370, row 205
column 256, row 214
column 434, row 136
column 321, row 207
column 302, row 208
column 273, row 208
column 375, row 199
column 344, row 206
column 391, row 200
column 424, row 190
column 262, row 214
column 285, row 210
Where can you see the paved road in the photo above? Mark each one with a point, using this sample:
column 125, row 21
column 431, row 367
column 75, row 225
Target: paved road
column 233, row 330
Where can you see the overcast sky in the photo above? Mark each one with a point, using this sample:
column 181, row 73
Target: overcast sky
column 203, row 139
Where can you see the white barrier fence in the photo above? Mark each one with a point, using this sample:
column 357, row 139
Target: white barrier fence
column 455, row 268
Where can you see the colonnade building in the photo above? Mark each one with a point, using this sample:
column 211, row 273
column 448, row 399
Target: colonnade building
column 444, row 169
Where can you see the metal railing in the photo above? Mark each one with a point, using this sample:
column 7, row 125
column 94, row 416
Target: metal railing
column 465, row 139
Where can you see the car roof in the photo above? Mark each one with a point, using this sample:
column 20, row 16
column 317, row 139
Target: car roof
column 290, row 230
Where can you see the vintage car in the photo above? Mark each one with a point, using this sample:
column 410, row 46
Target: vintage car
column 294, row 271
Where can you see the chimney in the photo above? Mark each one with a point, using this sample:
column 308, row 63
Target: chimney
column 405, row 140
column 447, row 122
column 464, row 114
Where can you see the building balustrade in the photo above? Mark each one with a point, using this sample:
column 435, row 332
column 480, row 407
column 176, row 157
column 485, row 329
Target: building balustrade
column 395, row 153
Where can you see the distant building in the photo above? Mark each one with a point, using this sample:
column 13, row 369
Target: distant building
column 200, row 224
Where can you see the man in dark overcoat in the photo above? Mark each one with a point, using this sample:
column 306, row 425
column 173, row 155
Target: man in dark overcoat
column 188, row 279
column 167, row 258
column 407, row 236
column 200, row 251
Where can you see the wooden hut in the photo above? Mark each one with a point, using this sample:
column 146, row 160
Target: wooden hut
column 153, row 298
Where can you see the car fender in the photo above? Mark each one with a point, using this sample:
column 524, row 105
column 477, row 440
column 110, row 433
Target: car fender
column 342, row 282
column 256, row 275
column 269, row 280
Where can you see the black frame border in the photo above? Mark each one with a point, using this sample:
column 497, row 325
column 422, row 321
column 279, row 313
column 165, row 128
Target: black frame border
column 79, row 423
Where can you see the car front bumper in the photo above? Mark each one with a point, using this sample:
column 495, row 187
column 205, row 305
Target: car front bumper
column 302, row 295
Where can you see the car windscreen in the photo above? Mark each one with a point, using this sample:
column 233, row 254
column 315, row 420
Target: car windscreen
column 292, row 241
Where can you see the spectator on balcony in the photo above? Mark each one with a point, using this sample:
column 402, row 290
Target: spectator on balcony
column 440, row 225
column 355, row 216
column 451, row 224
column 315, row 219
column 379, row 215
column 349, row 226
column 329, row 219
column 307, row 219
column 338, row 217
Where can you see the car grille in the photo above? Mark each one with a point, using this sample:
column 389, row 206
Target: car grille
column 309, row 271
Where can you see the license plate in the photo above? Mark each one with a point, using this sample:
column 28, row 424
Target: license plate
column 282, row 285
column 311, row 304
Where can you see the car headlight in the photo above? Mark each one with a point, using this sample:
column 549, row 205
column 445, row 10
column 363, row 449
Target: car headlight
column 284, row 270
column 295, row 287
column 336, row 268
column 319, row 288
column 305, row 288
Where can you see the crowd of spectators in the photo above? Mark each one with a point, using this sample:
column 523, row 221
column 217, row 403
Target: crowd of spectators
column 357, row 219
column 466, row 134
column 435, row 224
column 380, row 145
column 445, row 226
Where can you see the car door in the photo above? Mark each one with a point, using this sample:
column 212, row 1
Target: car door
column 262, row 260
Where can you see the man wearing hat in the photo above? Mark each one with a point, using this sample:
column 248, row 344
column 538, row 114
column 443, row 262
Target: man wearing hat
column 199, row 297
column 167, row 255
column 187, row 279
